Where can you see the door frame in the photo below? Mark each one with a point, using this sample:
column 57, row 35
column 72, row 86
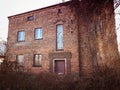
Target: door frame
column 62, row 59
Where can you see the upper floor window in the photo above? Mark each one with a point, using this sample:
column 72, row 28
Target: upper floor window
column 59, row 37
column 37, row 60
column 38, row 33
column 21, row 36
column 59, row 11
column 20, row 60
column 30, row 18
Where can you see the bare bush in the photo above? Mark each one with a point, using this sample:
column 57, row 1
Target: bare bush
column 104, row 79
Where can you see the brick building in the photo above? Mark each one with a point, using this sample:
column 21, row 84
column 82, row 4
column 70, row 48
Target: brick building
column 62, row 40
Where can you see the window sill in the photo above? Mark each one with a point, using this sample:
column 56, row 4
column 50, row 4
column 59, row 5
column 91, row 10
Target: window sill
column 21, row 41
column 39, row 39
column 37, row 65
column 60, row 49
column 20, row 65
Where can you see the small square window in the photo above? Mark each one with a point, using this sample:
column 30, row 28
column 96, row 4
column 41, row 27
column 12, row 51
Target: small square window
column 37, row 60
column 59, row 11
column 30, row 18
column 21, row 36
column 20, row 60
column 38, row 33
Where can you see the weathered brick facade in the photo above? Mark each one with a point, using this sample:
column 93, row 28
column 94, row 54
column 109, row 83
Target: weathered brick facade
column 47, row 18
column 87, row 42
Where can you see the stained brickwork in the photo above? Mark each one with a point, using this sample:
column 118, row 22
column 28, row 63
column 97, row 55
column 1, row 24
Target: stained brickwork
column 47, row 18
column 89, row 37
column 96, row 32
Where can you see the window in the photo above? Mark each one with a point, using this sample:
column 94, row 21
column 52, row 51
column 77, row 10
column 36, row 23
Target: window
column 37, row 60
column 59, row 37
column 30, row 18
column 101, row 25
column 21, row 36
column 59, row 11
column 20, row 60
column 92, row 26
column 38, row 33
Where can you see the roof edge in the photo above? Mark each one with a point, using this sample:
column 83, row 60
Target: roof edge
column 63, row 3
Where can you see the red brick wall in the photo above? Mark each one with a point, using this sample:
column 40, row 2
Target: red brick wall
column 97, row 36
column 46, row 18
column 87, row 43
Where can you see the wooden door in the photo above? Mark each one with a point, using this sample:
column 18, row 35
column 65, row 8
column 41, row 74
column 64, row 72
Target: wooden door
column 59, row 66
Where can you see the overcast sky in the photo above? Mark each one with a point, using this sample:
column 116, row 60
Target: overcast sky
column 12, row 7
column 117, row 18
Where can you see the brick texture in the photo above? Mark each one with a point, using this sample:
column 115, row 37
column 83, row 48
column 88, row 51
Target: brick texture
column 89, row 37
column 47, row 18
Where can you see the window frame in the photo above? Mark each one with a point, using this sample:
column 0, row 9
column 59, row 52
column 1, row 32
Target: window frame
column 18, row 33
column 59, row 11
column 34, row 61
column 35, row 37
column 59, row 49
column 17, row 60
column 30, row 18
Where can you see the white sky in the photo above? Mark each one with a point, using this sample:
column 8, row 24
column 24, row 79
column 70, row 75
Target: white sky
column 12, row 7
column 117, row 18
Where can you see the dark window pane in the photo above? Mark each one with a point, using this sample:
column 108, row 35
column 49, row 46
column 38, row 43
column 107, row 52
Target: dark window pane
column 30, row 18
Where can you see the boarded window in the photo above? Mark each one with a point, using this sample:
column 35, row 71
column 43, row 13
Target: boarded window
column 59, row 37
column 21, row 36
column 92, row 26
column 101, row 25
column 37, row 60
column 20, row 60
column 38, row 33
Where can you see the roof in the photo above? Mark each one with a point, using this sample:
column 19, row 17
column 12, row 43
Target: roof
column 60, row 4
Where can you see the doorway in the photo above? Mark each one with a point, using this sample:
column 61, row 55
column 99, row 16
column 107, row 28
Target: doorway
column 59, row 67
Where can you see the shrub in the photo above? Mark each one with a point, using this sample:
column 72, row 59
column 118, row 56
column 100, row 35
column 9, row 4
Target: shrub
column 103, row 79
